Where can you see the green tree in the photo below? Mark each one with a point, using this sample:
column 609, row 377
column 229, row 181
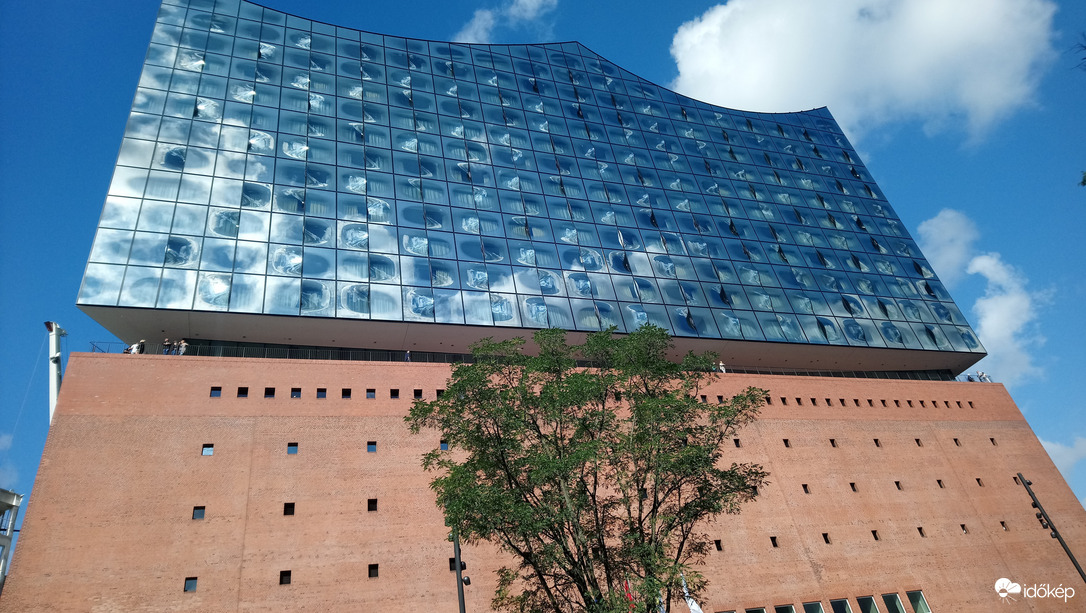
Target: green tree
column 592, row 478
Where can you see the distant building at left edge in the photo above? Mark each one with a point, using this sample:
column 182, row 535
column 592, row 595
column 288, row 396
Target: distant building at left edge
column 9, row 513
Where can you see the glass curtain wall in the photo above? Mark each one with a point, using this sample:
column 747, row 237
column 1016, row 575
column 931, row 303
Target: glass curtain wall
column 277, row 165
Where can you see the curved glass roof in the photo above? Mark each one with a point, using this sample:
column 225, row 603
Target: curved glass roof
column 276, row 166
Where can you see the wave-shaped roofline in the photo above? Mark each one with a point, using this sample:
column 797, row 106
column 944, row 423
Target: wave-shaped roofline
column 821, row 110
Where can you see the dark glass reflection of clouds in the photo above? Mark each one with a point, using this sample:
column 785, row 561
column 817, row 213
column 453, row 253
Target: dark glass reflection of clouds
column 174, row 158
column 287, row 260
column 141, row 286
column 928, row 288
column 790, row 328
column 664, row 266
column 607, row 315
column 578, row 284
column 828, row 329
column 316, row 177
column 380, row 211
column 476, row 278
column 636, row 315
column 316, row 232
column 261, row 142
column 288, row 199
column 535, row 310
column 968, row 338
column 686, row 319
column 803, row 278
column 494, row 250
column 101, row 284
column 415, row 244
column 357, row 298
column 176, row 290
column 936, row 336
column 802, row 303
column 887, row 309
column 225, row 223
column 442, row 274
column 548, row 282
column 214, row 289
column 911, row 311
column 501, row 308
column 256, row 195
column 382, row 268
column 852, row 305
column 355, row 236
column 421, row 302
column 526, row 256
column 181, row 252
column 865, row 286
column 854, row 331
column 891, row 333
column 318, row 263
column 620, row 262
column 941, row 312
column 591, row 259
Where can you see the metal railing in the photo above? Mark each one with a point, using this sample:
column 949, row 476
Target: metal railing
column 283, row 352
column 235, row 350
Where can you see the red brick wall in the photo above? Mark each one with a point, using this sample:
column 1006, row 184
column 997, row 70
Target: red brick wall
column 109, row 525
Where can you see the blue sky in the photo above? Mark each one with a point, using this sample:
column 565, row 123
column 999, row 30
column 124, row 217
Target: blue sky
column 967, row 113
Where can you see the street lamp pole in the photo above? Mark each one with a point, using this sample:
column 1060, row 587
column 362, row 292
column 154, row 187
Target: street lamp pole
column 460, row 579
column 1046, row 522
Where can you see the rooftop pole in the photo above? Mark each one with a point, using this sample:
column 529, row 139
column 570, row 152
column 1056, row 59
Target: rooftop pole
column 55, row 332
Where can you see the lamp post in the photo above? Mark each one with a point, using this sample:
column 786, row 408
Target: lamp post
column 1046, row 523
column 461, row 580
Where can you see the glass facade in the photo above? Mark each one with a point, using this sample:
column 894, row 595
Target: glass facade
column 275, row 165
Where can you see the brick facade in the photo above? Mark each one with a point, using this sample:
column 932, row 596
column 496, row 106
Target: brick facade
column 110, row 525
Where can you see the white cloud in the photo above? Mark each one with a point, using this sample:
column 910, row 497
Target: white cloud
column 1066, row 457
column 527, row 10
column 871, row 62
column 5, row 442
column 1005, row 316
column 477, row 30
column 517, row 13
column 947, row 241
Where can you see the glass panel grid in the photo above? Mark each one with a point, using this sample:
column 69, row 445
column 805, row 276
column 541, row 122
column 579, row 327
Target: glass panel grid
column 275, row 165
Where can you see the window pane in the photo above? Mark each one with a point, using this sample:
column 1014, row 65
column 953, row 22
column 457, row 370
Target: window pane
column 867, row 604
column 893, row 603
column 919, row 603
column 840, row 606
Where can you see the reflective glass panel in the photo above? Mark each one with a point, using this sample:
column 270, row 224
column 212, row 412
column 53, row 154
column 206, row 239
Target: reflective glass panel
column 269, row 167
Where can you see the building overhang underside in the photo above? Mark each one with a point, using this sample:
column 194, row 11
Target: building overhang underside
column 133, row 324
